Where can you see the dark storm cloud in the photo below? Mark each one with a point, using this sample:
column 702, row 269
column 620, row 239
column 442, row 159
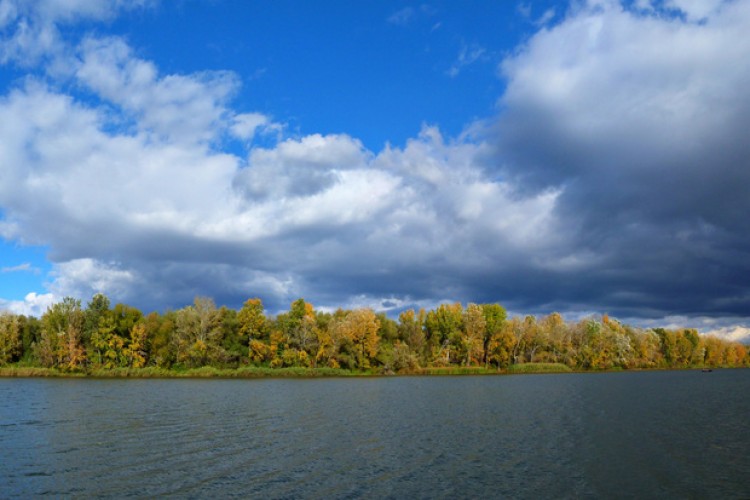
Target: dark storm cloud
column 641, row 121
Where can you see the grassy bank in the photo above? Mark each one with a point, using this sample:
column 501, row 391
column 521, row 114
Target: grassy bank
column 248, row 372
column 203, row 372
column 539, row 368
column 453, row 370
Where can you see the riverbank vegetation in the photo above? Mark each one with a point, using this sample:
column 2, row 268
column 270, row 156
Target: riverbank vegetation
column 203, row 340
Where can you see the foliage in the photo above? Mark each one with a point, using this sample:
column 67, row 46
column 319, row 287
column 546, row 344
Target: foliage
column 203, row 340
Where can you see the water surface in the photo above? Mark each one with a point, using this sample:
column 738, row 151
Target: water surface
column 644, row 434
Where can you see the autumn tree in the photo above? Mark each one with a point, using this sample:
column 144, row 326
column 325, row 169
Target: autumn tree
column 135, row 352
column 494, row 319
column 198, row 333
column 470, row 341
column 233, row 344
column 299, row 330
column 443, row 325
column 411, row 332
column 254, row 330
column 126, row 318
column 10, row 338
column 160, row 344
column 360, row 327
column 31, row 334
column 253, row 323
column 97, row 309
column 60, row 343
column 335, row 348
column 557, row 340
column 104, row 345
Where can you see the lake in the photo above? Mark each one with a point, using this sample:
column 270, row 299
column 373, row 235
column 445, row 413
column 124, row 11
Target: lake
column 672, row 434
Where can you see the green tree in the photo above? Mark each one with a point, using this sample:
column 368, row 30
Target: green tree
column 126, row 318
column 96, row 309
column 60, row 344
column 470, row 346
column 253, row 323
column 10, row 338
column 411, row 332
column 494, row 320
column 198, row 334
column 443, row 325
column 160, row 339
column 103, row 348
column 135, row 352
column 300, row 327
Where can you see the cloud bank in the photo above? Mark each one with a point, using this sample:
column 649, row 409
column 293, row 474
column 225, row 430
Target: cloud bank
column 613, row 177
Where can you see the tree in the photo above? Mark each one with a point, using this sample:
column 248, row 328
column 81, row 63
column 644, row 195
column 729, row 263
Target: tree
column 411, row 331
column 471, row 341
column 494, row 319
column 31, row 334
column 360, row 327
column 104, row 349
column 62, row 327
column 96, row 309
column 668, row 345
column 442, row 325
column 135, row 353
column 253, row 323
column 198, row 333
column 125, row 319
column 557, row 337
column 10, row 338
column 160, row 343
column 300, row 327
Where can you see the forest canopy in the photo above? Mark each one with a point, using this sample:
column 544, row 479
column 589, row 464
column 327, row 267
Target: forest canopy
column 99, row 336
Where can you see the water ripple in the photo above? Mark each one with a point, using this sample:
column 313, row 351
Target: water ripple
column 570, row 436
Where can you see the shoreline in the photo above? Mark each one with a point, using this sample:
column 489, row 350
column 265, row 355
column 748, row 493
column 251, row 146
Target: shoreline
column 308, row 373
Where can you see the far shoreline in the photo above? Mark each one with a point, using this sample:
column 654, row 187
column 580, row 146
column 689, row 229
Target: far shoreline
column 311, row 373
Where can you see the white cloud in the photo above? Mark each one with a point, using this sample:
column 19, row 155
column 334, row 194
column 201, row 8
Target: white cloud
column 736, row 333
column 246, row 125
column 402, row 16
column 468, row 55
column 545, row 18
column 299, row 167
column 29, row 30
column 524, row 8
column 645, row 5
column 695, row 10
column 33, row 304
column 85, row 277
column 25, row 267
column 157, row 201
column 185, row 108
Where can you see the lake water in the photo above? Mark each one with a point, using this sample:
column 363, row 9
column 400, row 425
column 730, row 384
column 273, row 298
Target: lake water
column 646, row 435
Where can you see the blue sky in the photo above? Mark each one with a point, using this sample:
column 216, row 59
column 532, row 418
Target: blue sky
column 582, row 157
column 373, row 70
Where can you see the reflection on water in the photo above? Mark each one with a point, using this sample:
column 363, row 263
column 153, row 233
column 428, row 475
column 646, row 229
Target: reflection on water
column 648, row 434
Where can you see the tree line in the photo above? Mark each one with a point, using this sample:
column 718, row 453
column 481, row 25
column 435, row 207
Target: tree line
column 71, row 337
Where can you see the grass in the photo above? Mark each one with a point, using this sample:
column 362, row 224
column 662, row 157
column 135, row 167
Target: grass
column 213, row 372
column 539, row 368
column 246, row 372
column 453, row 370
column 203, row 372
column 35, row 371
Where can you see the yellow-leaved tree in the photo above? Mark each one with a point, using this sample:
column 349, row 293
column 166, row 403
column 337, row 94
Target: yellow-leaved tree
column 360, row 327
column 10, row 338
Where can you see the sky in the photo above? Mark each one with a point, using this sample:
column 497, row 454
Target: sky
column 584, row 156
